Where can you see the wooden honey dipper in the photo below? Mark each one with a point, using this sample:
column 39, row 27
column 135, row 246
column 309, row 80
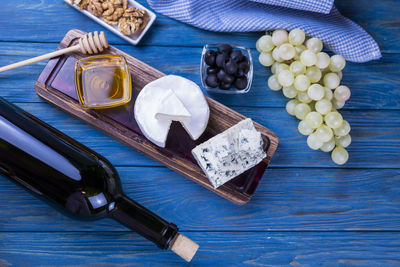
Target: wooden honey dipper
column 91, row 43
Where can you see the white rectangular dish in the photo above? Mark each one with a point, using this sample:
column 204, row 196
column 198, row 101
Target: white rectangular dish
column 133, row 38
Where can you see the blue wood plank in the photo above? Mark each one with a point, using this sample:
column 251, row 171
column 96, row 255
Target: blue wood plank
column 298, row 201
column 222, row 249
column 287, row 199
column 50, row 20
column 376, row 139
column 374, row 84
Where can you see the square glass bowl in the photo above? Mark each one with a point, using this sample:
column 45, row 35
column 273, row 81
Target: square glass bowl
column 103, row 81
column 203, row 70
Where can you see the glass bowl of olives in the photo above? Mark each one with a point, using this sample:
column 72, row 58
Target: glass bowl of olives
column 226, row 68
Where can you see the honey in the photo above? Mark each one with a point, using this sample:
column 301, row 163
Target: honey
column 103, row 81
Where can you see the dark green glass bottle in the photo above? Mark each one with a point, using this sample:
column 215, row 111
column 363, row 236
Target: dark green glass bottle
column 74, row 179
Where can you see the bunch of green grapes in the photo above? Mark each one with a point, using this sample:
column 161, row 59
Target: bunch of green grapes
column 311, row 79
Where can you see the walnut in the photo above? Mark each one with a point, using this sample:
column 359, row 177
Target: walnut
column 132, row 12
column 127, row 27
column 125, row 4
column 108, row 8
column 95, row 8
column 82, row 4
column 136, row 15
column 115, row 16
column 116, row 12
column 111, row 22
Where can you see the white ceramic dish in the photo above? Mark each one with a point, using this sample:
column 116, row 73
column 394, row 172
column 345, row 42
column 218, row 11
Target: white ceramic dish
column 133, row 38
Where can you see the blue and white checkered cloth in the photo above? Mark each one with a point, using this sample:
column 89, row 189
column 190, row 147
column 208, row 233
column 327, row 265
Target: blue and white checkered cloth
column 318, row 18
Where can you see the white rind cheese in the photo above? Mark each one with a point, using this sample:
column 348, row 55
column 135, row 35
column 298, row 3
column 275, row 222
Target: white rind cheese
column 151, row 100
column 172, row 108
column 230, row 153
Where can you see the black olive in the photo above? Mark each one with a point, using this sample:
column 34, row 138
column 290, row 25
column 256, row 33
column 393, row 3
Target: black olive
column 225, row 86
column 212, row 80
column 228, row 78
column 224, row 48
column 212, row 70
column 244, row 66
column 221, row 74
column 244, row 59
column 230, row 66
column 241, row 83
column 211, row 52
column 220, row 59
column 236, row 55
column 240, row 73
column 209, row 58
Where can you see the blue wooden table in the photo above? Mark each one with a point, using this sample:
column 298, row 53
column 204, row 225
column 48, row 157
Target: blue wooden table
column 306, row 210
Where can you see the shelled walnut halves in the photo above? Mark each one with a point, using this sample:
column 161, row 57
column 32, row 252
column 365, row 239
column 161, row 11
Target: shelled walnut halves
column 116, row 12
column 133, row 20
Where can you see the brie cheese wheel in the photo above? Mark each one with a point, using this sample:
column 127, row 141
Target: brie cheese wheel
column 172, row 109
column 155, row 98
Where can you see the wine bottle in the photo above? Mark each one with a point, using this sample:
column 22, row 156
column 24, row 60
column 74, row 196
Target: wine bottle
column 74, row 179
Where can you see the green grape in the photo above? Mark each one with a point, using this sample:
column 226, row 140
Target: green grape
column 313, row 119
column 301, row 110
column 266, row 59
column 286, row 51
column 339, row 155
column 281, row 67
column 324, row 133
column 313, row 142
column 333, row 119
column 331, row 80
column 323, row 106
column 273, row 83
column 299, row 49
column 291, row 105
column 314, row 74
column 264, row 44
column 301, row 82
column 279, row 37
column 274, row 67
column 296, row 67
column 342, row 93
column 343, row 141
column 337, row 104
column 343, row 129
column 316, row 92
column 289, row 92
column 304, row 129
column 308, row 58
column 275, row 55
column 296, row 37
column 323, row 60
column 337, row 63
column 285, row 78
column 303, row 97
column 314, row 44
column 328, row 146
column 328, row 93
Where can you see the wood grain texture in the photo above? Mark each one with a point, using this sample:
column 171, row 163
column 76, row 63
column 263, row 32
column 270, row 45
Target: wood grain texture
column 374, row 85
column 221, row 118
column 376, row 138
column 266, row 249
column 314, row 203
column 287, row 199
column 379, row 18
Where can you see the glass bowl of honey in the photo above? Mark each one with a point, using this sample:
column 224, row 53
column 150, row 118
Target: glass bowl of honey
column 103, row 81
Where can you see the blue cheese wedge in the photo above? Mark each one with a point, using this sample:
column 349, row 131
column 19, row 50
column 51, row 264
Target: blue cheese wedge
column 230, row 153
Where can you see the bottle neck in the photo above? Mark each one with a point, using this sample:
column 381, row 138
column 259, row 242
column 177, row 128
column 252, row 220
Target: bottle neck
column 138, row 218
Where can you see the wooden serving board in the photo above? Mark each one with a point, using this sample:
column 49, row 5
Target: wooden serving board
column 56, row 85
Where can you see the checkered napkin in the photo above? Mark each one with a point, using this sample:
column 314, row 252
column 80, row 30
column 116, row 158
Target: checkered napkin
column 318, row 18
